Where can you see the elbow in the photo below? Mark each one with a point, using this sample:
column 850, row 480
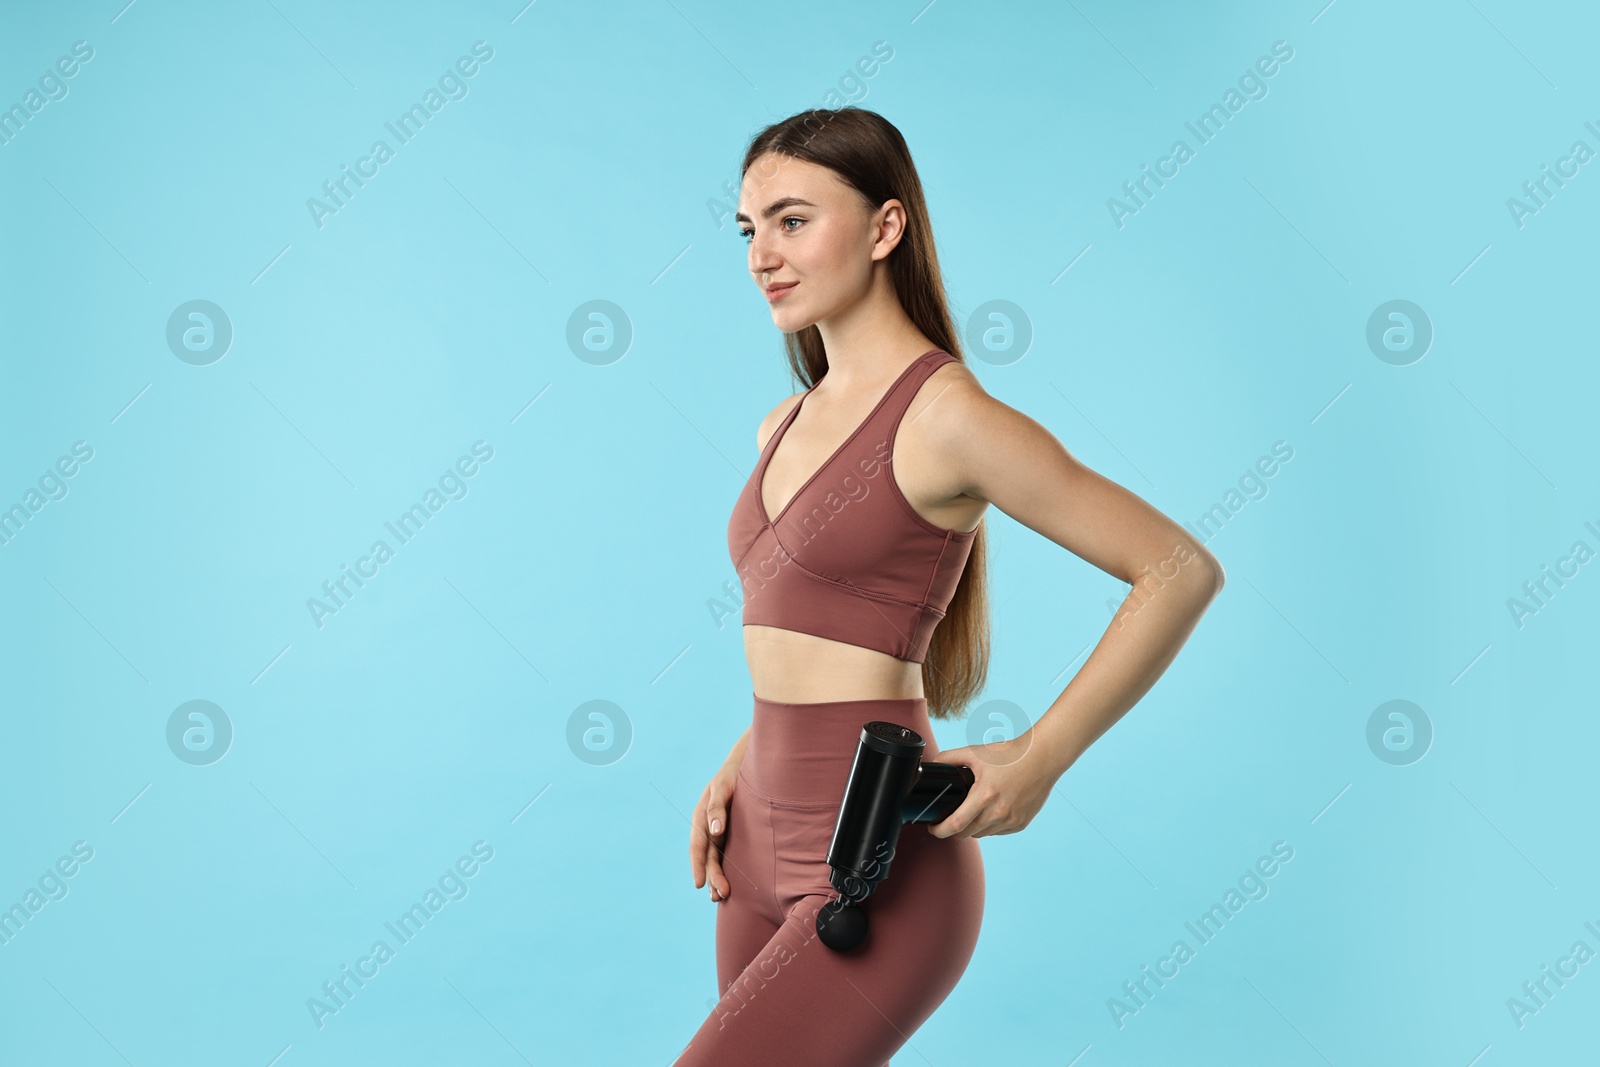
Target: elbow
column 1209, row 575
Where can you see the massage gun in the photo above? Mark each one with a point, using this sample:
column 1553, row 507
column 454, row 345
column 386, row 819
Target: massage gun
column 889, row 786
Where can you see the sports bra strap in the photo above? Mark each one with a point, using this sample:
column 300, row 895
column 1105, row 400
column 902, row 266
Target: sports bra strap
column 895, row 405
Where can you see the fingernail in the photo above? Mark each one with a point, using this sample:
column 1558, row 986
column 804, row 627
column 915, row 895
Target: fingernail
column 716, row 826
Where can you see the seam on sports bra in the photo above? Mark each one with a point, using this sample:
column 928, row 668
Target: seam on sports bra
column 745, row 554
column 934, row 571
column 906, row 641
column 856, row 590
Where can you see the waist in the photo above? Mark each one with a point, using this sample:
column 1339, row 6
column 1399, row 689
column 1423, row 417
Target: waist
column 799, row 755
column 792, row 665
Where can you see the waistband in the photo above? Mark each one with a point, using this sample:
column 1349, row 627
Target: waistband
column 799, row 755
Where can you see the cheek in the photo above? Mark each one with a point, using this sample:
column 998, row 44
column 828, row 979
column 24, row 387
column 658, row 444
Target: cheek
column 837, row 261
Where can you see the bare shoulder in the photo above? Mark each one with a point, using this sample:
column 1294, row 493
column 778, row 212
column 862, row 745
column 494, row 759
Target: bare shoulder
column 954, row 379
column 968, row 432
column 956, row 406
column 770, row 421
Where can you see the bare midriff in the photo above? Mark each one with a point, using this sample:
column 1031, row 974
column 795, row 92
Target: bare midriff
column 797, row 668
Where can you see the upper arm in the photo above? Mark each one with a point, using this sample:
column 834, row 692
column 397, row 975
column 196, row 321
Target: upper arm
column 1002, row 456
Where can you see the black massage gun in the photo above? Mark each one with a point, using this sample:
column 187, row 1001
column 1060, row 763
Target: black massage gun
column 889, row 786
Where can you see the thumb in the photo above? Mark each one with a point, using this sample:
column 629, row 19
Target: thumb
column 956, row 820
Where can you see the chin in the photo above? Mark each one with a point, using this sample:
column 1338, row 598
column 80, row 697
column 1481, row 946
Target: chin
column 788, row 321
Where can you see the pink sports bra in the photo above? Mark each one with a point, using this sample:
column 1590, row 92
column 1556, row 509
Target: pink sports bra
column 848, row 558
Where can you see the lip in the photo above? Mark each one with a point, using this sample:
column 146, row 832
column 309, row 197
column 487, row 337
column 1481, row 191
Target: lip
column 777, row 292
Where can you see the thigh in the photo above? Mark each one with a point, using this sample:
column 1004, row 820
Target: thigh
column 749, row 916
column 798, row 1003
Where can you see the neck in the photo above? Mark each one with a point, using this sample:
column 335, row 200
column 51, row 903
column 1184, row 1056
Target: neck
column 872, row 340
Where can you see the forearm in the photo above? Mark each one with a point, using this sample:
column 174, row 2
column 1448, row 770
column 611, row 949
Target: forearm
column 1138, row 646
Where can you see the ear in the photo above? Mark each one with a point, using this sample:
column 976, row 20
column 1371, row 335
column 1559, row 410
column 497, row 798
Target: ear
column 888, row 227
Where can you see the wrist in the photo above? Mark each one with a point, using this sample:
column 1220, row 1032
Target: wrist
column 1059, row 747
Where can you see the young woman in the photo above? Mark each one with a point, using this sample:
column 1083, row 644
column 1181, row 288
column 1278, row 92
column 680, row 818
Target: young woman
column 860, row 548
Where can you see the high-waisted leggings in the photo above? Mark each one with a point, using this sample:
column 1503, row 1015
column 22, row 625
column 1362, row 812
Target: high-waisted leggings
column 787, row 999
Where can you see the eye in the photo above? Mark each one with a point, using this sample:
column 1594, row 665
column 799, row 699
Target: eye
column 749, row 235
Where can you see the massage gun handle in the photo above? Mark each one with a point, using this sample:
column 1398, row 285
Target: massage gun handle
column 937, row 790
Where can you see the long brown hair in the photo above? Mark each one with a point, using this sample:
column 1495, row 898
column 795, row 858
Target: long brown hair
column 867, row 153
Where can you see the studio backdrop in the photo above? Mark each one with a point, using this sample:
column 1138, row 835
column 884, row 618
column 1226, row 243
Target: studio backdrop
column 378, row 381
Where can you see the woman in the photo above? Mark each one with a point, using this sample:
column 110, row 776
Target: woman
column 860, row 548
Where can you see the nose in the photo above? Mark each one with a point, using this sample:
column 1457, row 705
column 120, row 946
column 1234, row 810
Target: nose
column 762, row 259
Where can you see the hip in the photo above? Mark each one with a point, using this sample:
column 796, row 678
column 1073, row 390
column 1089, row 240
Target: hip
column 799, row 754
column 787, row 801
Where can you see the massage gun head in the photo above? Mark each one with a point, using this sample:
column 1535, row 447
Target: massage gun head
column 841, row 925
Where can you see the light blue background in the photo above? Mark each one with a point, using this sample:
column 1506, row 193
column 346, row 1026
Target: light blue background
column 432, row 711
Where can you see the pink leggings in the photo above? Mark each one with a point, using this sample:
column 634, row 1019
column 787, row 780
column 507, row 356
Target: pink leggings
column 787, row 999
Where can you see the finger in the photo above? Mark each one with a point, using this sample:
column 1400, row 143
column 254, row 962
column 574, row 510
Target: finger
column 697, row 843
column 955, row 756
column 715, row 876
column 709, row 864
column 697, row 853
column 958, row 818
column 710, row 858
column 712, row 832
column 985, row 825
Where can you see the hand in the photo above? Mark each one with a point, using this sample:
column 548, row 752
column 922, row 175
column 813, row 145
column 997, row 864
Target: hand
column 1011, row 781
column 708, row 829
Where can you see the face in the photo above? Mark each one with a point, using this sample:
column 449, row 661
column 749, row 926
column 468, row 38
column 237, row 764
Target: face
column 812, row 236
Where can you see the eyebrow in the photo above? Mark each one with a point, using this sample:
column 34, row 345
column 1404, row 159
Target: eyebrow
column 775, row 207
